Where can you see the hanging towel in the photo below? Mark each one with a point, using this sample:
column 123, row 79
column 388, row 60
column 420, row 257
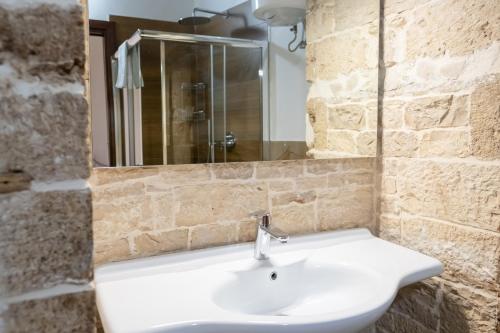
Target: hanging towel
column 129, row 67
column 122, row 76
column 137, row 81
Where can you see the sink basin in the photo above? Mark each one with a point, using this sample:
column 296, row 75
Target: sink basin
column 336, row 282
column 298, row 289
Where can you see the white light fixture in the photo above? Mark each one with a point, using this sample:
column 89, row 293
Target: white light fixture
column 280, row 12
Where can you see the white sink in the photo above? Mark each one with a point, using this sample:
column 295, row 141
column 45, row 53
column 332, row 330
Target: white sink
column 337, row 282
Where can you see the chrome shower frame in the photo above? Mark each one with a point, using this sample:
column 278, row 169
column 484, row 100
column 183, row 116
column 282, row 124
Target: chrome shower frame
column 211, row 41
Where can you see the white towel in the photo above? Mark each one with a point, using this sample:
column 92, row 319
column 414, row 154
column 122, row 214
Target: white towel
column 122, row 76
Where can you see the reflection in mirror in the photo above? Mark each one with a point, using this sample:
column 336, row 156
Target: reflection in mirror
column 210, row 81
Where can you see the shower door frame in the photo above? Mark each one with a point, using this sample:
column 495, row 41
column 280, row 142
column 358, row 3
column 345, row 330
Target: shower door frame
column 211, row 41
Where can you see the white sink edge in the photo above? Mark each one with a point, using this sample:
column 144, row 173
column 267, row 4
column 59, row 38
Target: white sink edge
column 227, row 322
column 186, row 260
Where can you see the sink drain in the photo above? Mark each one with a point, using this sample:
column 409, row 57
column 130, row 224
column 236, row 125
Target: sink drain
column 273, row 276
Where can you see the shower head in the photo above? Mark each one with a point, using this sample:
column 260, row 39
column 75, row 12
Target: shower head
column 199, row 20
column 194, row 20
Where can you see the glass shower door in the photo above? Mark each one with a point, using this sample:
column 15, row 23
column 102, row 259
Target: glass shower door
column 203, row 104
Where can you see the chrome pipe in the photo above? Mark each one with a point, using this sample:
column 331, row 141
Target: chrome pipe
column 164, row 134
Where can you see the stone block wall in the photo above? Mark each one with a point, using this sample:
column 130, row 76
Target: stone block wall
column 45, row 204
column 342, row 66
column 440, row 176
column 145, row 211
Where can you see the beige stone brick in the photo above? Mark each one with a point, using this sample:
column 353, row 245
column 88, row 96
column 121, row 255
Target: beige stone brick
column 342, row 141
column 338, row 180
column 104, row 176
column 279, row 185
column 444, row 143
column 392, row 116
column 185, row 174
column 233, row 170
column 357, row 164
column 247, row 231
column 45, row 239
column 109, row 251
column 470, row 25
column 390, row 228
column 460, row 192
column 320, row 19
column 399, row 144
column 323, row 167
column 65, row 313
column 371, row 116
column 389, row 204
column 279, row 169
column 431, row 112
column 469, row 255
column 293, row 197
column 341, row 209
column 366, row 143
column 209, row 235
column 237, row 202
column 354, row 13
column 464, row 309
column 297, row 218
column 346, row 117
column 485, row 119
column 153, row 243
column 45, row 136
column 318, row 116
column 117, row 217
column 311, row 183
column 194, row 205
column 344, row 53
column 389, row 185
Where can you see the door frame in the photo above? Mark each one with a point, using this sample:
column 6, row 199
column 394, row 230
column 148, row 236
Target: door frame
column 106, row 30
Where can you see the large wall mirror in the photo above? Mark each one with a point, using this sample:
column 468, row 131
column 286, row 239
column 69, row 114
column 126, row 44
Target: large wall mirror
column 214, row 81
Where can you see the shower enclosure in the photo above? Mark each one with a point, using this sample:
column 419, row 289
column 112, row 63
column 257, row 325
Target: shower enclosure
column 204, row 100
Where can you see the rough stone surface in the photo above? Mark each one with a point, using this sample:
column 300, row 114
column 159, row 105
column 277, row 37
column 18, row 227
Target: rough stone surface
column 440, row 119
column 471, row 25
column 65, row 313
column 444, row 143
column 160, row 242
column 469, row 255
column 485, row 120
column 399, row 144
column 432, row 112
column 341, row 62
column 146, row 211
column 341, row 209
column 464, row 309
column 459, row 192
column 347, row 117
column 213, row 235
column 45, row 240
column 113, row 250
column 318, row 117
column 31, row 130
column 342, row 141
column 233, row 171
column 55, row 52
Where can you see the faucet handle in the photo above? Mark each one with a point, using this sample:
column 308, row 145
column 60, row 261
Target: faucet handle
column 263, row 217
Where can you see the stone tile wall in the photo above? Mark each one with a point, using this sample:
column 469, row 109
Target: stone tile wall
column 45, row 205
column 342, row 66
column 440, row 176
column 146, row 211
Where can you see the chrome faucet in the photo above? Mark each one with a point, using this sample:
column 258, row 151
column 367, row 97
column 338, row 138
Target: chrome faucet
column 264, row 234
